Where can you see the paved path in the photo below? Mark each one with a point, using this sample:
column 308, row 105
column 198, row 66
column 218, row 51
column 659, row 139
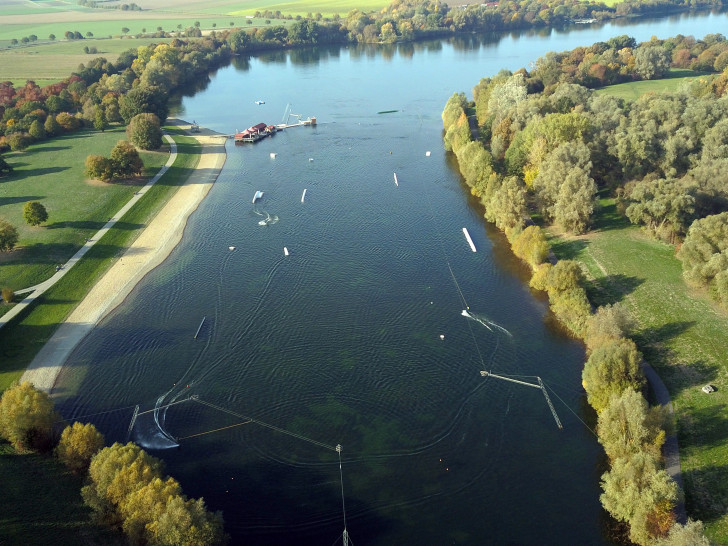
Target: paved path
column 149, row 250
column 670, row 449
column 34, row 292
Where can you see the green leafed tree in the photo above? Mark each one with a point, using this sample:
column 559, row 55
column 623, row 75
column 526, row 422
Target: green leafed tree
column 144, row 99
column 125, row 160
column 100, row 122
column 611, row 369
column 27, row 416
column 507, row 207
column 638, row 492
column 37, row 130
column 690, row 534
column 8, row 236
column 704, row 255
column 144, row 131
column 34, row 213
column 665, row 207
column 609, row 323
column 651, row 62
column 628, row 425
column 99, row 167
column 78, row 444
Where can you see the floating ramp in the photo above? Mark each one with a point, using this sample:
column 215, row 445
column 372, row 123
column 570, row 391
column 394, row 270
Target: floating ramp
column 470, row 241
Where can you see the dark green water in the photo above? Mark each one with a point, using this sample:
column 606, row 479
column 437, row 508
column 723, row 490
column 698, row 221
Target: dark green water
column 340, row 342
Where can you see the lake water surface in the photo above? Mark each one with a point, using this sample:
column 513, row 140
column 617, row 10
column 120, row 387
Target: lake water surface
column 357, row 337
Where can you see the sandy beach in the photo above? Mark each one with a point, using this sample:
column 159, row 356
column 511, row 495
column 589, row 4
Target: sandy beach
column 150, row 249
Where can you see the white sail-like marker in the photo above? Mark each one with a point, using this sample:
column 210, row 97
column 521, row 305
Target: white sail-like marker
column 285, row 251
column 470, row 241
column 303, row 195
column 396, row 183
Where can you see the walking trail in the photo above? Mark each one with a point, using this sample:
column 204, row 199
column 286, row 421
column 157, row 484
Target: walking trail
column 150, row 249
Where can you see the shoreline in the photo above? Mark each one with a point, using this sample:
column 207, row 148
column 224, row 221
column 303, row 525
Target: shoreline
column 153, row 246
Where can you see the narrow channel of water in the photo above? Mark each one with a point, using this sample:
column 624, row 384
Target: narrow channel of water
column 357, row 336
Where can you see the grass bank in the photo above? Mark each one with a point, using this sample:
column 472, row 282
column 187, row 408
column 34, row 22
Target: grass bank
column 22, row 339
column 52, row 172
column 50, row 511
column 682, row 335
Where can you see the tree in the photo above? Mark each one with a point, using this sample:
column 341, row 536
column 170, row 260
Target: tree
column 704, row 255
column 78, row 444
column 611, row 369
column 125, row 30
column 26, row 416
column 100, row 123
column 51, row 126
column 609, row 323
column 665, row 207
column 144, row 131
column 188, row 522
column 690, row 534
column 34, row 213
column 651, row 62
column 125, row 160
column 37, row 131
column 8, row 236
column 5, row 168
column 531, row 246
column 51, row 37
column 638, row 492
column 628, row 425
column 507, row 207
column 144, row 507
column 144, row 99
column 99, row 167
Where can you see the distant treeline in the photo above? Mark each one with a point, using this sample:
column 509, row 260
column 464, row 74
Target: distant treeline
column 102, row 5
column 538, row 145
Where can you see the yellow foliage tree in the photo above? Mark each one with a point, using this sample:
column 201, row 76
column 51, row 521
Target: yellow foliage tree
column 78, row 444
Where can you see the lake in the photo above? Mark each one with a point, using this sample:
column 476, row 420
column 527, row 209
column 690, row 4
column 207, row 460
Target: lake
column 357, row 337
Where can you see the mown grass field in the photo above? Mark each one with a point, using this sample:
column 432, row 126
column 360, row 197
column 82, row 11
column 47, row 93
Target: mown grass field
column 50, row 511
column 23, row 338
column 634, row 90
column 682, row 334
column 52, row 172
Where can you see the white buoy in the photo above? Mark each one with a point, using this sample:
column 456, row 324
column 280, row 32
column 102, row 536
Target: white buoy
column 273, row 155
column 310, row 158
column 427, row 153
column 470, row 241
column 303, row 195
column 231, row 248
column 285, row 251
column 442, row 336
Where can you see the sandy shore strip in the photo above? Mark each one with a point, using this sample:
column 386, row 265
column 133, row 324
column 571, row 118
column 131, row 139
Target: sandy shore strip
column 150, row 249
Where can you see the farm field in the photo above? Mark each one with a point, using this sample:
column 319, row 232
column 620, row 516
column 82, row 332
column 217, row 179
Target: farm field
column 682, row 334
column 52, row 172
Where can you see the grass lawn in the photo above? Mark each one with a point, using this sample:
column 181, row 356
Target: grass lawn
column 633, row 90
column 22, row 339
column 51, row 172
column 42, row 503
column 682, row 334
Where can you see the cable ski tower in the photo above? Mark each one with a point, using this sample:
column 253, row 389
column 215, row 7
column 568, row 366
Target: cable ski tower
column 539, row 386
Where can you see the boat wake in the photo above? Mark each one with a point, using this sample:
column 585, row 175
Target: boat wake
column 268, row 219
column 485, row 321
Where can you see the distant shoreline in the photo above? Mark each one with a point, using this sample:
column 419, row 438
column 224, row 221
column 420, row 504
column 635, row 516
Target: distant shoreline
column 150, row 249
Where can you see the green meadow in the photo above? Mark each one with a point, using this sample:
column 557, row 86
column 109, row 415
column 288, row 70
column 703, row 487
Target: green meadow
column 52, row 172
column 682, row 334
column 633, row 90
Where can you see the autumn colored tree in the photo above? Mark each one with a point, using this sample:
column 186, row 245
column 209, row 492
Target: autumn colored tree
column 125, row 160
column 8, row 236
column 26, row 416
column 99, row 167
column 78, row 444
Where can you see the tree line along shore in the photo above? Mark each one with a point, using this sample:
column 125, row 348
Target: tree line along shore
column 105, row 94
column 543, row 153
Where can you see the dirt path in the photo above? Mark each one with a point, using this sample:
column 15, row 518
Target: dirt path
column 150, row 249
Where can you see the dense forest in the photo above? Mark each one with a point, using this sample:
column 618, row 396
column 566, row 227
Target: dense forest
column 539, row 148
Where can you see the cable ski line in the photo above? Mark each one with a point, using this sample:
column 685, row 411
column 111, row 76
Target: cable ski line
column 263, row 424
column 215, row 430
column 94, row 414
column 572, row 411
column 156, row 409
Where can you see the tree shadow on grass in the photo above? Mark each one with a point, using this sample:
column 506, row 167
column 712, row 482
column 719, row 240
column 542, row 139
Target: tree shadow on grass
column 20, row 199
column 661, row 334
column 611, row 288
column 22, row 175
column 609, row 219
column 706, row 488
column 568, row 249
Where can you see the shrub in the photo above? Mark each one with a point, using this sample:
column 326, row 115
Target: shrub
column 145, row 132
column 8, row 295
column 37, row 131
column 51, row 126
column 68, row 122
column 530, row 245
column 99, row 167
column 19, row 141
column 8, row 236
column 611, row 369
